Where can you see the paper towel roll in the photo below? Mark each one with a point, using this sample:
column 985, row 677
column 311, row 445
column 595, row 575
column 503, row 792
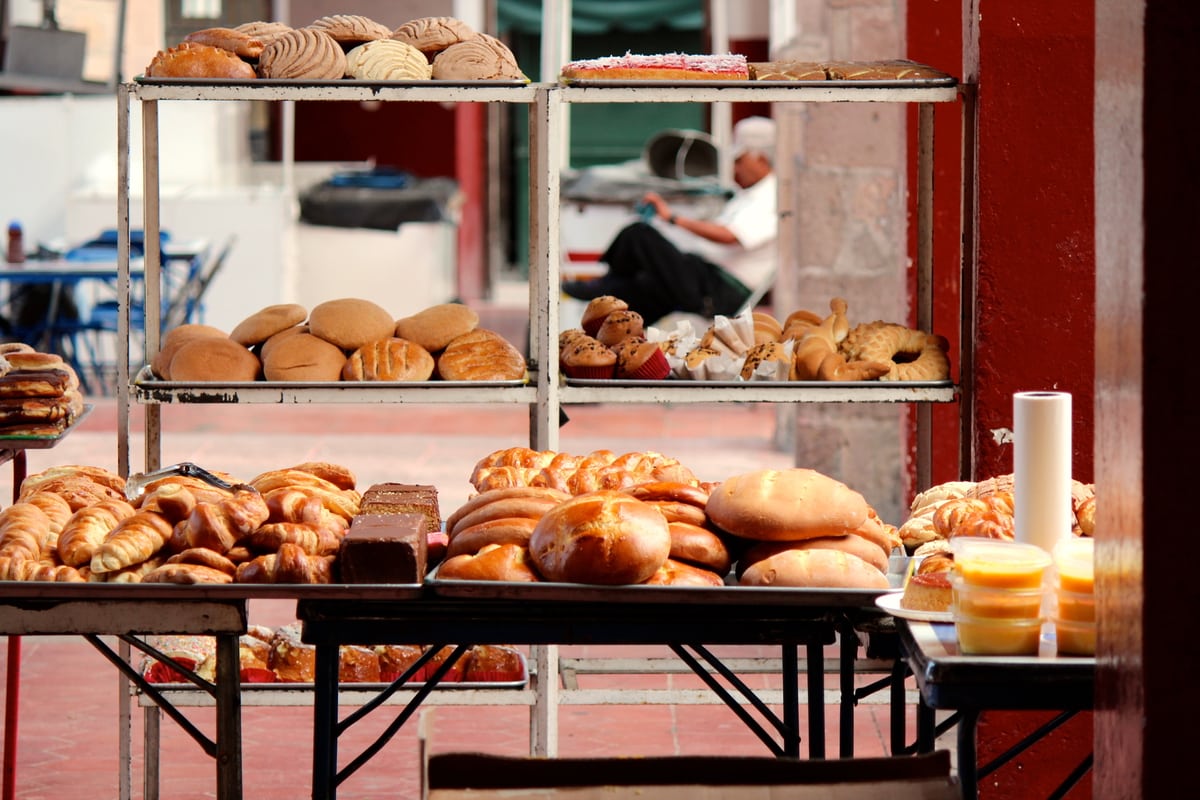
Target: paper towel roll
column 1042, row 467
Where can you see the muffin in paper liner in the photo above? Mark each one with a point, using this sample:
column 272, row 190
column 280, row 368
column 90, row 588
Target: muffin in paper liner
column 493, row 663
column 454, row 675
column 640, row 360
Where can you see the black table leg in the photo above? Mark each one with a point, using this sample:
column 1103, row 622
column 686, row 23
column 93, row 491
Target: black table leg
column 229, row 719
column 899, row 708
column 325, row 727
column 848, row 641
column 790, row 666
column 968, row 778
column 815, row 653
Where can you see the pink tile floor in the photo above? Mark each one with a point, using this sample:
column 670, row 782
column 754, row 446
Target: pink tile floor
column 68, row 732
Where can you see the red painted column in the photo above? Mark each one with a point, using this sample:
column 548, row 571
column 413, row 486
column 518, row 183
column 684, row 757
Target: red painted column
column 470, row 170
column 1035, row 282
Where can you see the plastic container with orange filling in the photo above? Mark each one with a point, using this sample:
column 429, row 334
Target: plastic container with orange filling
column 1075, row 637
column 997, row 637
column 1076, row 606
column 1074, row 560
column 991, row 603
column 999, row 563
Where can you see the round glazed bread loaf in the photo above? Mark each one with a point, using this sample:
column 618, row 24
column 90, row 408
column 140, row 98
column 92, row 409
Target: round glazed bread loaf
column 603, row 537
column 785, row 505
column 827, row 569
column 679, row 573
column 480, row 355
column 350, row 322
column 850, row 543
column 435, row 327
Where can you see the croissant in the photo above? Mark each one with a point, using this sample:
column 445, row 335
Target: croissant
column 343, row 502
column 289, row 565
column 303, row 505
column 312, row 540
column 135, row 539
column 174, row 501
column 77, row 490
column 186, row 573
column 24, row 529
column 204, row 557
column 34, row 482
column 130, row 574
column 219, row 526
column 55, row 507
column 202, row 490
column 87, row 529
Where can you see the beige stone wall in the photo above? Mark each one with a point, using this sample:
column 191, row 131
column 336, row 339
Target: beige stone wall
column 845, row 179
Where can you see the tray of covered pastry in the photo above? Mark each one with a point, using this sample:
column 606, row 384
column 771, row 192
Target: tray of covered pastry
column 276, row 659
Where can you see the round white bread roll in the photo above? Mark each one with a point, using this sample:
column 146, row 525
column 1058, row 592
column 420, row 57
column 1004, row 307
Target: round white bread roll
column 603, row 537
column 824, row 569
column 785, row 505
column 680, row 573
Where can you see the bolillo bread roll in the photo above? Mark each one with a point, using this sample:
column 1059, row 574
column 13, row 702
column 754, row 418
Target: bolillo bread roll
column 786, row 505
column 826, row 569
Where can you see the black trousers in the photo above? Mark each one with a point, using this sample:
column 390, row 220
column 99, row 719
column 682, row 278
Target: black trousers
column 655, row 278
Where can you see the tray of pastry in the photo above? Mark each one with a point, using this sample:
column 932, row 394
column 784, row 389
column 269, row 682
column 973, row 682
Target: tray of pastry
column 825, row 83
column 29, row 437
column 330, row 83
column 54, row 591
column 758, row 384
column 148, row 380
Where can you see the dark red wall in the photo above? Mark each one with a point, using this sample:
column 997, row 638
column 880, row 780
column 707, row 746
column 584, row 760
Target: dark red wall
column 1035, row 279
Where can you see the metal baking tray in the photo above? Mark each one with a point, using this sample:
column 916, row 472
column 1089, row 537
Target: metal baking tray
column 42, row 442
column 146, row 379
column 352, row 686
column 340, row 82
column 761, row 384
column 691, row 595
column 51, row 592
column 915, row 83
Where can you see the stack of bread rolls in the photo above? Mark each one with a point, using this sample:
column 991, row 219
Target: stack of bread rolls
column 74, row 523
column 547, row 516
column 346, row 339
column 39, row 392
column 337, row 46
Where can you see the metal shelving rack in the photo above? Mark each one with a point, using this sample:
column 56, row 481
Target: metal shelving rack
column 547, row 391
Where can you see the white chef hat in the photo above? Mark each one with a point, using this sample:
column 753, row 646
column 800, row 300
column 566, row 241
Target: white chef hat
column 754, row 134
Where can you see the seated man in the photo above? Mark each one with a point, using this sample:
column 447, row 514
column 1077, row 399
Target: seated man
column 704, row 267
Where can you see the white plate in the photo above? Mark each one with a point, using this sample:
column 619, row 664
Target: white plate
column 891, row 604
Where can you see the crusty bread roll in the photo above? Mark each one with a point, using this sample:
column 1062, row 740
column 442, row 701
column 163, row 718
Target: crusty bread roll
column 239, row 42
column 195, row 60
column 390, row 359
column 304, row 357
column 826, row 569
column 786, row 505
column 484, row 498
column 266, row 322
column 211, row 358
column 435, row 327
column 603, row 537
column 175, row 338
column 480, row 355
column 679, row 573
column 504, row 530
column 493, row 562
column 850, row 543
column 699, row 546
column 265, row 348
column 350, row 322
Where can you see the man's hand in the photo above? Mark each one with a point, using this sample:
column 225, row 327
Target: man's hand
column 661, row 209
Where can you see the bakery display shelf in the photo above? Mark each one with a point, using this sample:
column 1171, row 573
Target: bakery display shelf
column 147, row 389
column 916, row 91
column 31, row 441
column 275, row 89
column 682, row 391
